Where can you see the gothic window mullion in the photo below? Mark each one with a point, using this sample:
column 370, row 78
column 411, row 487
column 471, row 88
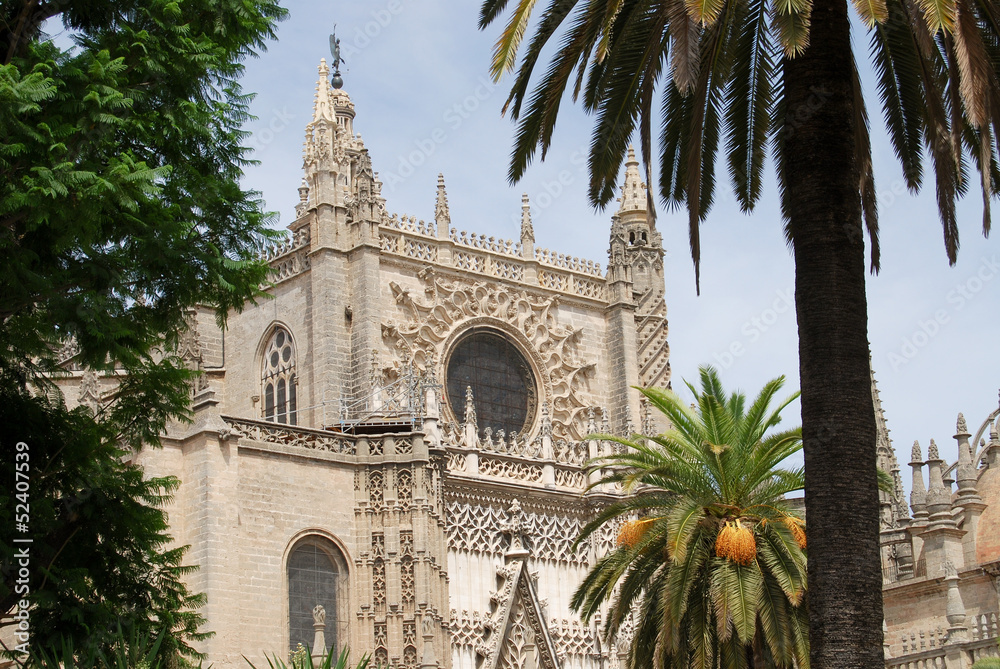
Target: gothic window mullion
column 279, row 380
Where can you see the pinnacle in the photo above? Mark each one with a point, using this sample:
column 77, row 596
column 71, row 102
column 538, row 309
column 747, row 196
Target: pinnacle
column 633, row 191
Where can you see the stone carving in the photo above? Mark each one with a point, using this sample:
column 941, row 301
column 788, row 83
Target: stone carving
column 409, row 644
column 274, row 433
column 406, row 569
column 571, row 263
column 485, row 243
column 516, row 527
column 572, row 638
column 450, row 304
column 381, row 645
column 90, row 390
column 516, row 625
column 378, row 572
column 376, row 490
column 512, row 655
column 510, row 469
column 319, row 615
column 465, row 627
column 477, row 528
column 404, row 489
column 69, row 350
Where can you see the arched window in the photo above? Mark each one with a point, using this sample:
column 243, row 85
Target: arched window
column 278, row 379
column 317, row 576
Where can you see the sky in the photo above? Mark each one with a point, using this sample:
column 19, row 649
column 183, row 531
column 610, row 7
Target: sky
column 418, row 74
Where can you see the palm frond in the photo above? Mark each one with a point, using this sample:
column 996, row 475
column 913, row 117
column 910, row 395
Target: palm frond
column 505, row 50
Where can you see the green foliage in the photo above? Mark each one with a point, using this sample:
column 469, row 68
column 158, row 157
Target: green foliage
column 100, row 560
column 713, row 476
column 120, row 209
column 302, row 659
column 135, row 651
column 120, row 202
column 709, row 71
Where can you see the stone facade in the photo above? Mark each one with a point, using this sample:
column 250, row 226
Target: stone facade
column 941, row 552
column 324, row 431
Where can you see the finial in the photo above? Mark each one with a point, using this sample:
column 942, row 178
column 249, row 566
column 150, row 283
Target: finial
column 961, row 427
column 527, row 231
column 932, row 451
column 516, row 526
column 442, row 216
column 915, row 456
column 629, row 425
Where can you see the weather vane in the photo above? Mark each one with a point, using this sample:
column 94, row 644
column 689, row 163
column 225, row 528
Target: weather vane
column 337, row 80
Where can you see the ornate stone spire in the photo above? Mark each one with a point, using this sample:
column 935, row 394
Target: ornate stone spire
column 634, row 191
column 886, row 458
column 303, row 204
column 470, row 428
column 527, row 232
column 322, row 103
column 918, row 493
column 938, row 495
column 442, row 217
column 965, row 469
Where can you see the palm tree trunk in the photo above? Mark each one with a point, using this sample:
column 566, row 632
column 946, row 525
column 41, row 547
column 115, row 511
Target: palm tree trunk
column 838, row 421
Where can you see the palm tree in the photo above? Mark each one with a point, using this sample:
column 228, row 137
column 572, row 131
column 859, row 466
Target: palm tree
column 782, row 73
column 713, row 569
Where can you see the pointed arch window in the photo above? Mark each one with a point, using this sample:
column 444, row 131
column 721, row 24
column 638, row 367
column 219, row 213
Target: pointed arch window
column 278, row 379
column 317, row 576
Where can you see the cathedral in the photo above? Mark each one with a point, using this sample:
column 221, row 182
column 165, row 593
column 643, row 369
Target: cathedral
column 388, row 455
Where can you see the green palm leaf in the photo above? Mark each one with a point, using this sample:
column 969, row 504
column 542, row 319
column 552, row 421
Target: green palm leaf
column 720, row 462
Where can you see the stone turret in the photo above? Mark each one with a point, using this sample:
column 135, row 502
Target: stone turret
column 942, row 538
column 636, row 284
column 967, row 497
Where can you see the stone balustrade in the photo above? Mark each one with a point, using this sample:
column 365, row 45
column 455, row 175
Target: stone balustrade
column 492, row 256
column 934, row 649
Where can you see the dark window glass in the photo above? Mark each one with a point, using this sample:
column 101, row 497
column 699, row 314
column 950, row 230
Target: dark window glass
column 292, row 404
column 312, row 580
column 269, row 402
column 503, row 386
column 282, row 407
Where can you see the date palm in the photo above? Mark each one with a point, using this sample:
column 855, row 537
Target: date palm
column 747, row 75
column 712, row 570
